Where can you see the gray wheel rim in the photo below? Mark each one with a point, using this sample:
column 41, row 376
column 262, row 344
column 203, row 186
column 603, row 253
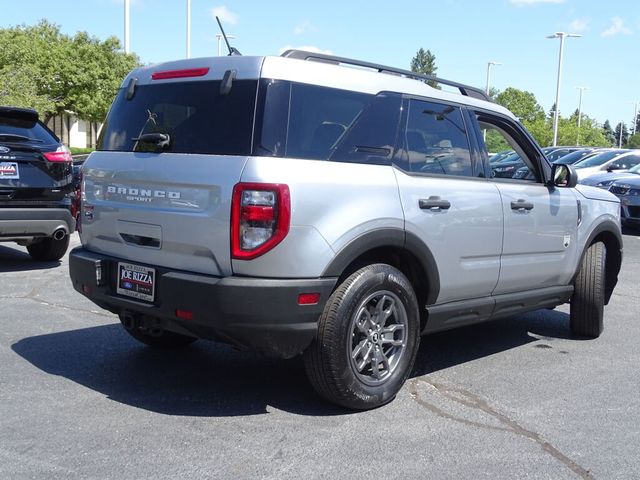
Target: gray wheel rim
column 378, row 337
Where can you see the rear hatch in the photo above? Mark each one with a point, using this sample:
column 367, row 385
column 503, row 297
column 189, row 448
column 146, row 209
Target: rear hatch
column 35, row 168
column 158, row 190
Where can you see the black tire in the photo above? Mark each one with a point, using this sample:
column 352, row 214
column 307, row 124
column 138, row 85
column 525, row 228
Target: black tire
column 587, row 302
column 155, row 337
column 336, row 361
column 48, row 249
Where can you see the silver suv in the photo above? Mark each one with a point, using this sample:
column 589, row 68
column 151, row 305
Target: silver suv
column 316, row 205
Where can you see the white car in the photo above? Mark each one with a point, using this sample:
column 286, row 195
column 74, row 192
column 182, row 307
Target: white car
column 607, row 162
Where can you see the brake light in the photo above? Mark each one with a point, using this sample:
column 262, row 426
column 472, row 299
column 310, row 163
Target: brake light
column 62, row 154
column 260, row 216
column 184, row 73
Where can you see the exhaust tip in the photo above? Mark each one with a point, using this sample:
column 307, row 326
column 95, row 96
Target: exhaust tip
column 59, row 234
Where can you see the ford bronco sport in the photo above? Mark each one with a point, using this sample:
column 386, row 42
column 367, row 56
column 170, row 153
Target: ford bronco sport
column 317, row 205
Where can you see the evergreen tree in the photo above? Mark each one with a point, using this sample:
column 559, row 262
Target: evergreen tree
column 621, row 130
column 608, row 132
column 425, row 63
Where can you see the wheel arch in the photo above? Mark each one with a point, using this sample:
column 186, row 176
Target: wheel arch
column 395, row 247
column 608, row 232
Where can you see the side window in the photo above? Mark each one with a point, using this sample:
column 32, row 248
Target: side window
column 434, row 140
column 625, row 162
column 372, row 136
column 498, row 135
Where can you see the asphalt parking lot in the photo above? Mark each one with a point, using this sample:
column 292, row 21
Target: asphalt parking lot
column 515, row 398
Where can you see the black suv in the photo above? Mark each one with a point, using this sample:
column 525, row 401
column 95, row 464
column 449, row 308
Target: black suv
column 36, row 185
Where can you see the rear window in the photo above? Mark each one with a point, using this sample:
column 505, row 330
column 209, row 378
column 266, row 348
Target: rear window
column 599, row 159
column 197, row 118
column 19, row 130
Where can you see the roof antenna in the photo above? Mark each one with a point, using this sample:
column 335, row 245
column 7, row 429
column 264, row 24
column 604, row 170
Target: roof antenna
column 232, row 50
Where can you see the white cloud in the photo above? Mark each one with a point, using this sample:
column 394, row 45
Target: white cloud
column 306, row 48
column 523, row 3
column 304, row 27
column 579, row 25
column 617, row 27
column 226, row 15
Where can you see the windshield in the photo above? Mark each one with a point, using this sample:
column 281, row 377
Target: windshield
column 197, row 118
column 599, row 159
column 17, row 131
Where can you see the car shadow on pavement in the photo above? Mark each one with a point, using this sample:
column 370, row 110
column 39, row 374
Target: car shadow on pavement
column 209, row 379
column 13, row 260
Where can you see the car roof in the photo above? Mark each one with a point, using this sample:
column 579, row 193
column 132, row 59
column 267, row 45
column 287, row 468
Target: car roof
column 319, row 73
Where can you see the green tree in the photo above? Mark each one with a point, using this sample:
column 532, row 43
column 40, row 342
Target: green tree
column 608, row 133
column 634, row 141
column 53, row 72
column 523, row 104
column 621, row 130
column 425, row 62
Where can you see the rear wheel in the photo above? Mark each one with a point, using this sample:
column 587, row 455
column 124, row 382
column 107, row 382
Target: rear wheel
column 144, row 331
column 48, row 249
column 587, row 302
column 367, row 339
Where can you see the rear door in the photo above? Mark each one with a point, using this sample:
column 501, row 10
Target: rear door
column 447, row 202
column 159, row 189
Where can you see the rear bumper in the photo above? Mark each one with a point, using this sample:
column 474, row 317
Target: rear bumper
column 24, row 223
column 254, row 313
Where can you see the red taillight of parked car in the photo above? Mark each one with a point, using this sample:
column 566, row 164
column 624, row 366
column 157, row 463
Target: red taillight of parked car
column 62, row 154
column 260, row 216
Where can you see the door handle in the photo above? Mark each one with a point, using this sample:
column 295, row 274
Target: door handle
column 521, row 204
column 434, row 203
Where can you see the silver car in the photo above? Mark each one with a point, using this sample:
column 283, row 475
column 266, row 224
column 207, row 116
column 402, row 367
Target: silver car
column 298, row 205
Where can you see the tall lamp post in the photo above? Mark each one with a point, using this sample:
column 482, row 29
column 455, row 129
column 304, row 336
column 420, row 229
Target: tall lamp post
column 561, row 36
column 126, row 26
column 489, row 65
column 188, row 28
column 635, row 116
column 582, row 89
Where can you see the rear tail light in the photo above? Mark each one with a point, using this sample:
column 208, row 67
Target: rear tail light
column 260, row 215
column 62, row 154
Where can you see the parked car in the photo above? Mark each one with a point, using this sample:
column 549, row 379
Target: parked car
column 628, row 191
column 506, row 167
column 620, row 159
column 500, row 156
column 36, row 185
column 554, row 153
column 297, row 205
column 606, row 179
column 566, row 159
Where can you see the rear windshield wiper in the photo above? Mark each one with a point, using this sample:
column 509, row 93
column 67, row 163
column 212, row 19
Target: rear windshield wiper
column 160, row 140
column 18, row 138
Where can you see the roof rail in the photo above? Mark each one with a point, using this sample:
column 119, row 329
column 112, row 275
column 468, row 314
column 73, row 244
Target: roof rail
column 321, row 57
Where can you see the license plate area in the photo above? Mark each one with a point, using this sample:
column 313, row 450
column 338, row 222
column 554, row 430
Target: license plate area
column 9, row 170
column 136, row 281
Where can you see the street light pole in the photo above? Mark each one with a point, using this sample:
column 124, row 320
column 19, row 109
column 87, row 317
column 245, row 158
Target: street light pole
column 188, row 28
column 219, row 36
column 620, row 137
column 561, row 36
column 635, row 116
column 489, row 64
column 126, row 26
column 582, row 89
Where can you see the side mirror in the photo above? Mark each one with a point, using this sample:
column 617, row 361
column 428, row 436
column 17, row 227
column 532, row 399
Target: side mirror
column 563, row 176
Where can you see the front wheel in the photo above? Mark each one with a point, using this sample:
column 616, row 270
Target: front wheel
column 367, row 339
column 587, row 302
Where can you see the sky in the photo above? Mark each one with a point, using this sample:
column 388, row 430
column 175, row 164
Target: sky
column 464, row 35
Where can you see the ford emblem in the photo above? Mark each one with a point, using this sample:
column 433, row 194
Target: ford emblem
column 4, row 149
